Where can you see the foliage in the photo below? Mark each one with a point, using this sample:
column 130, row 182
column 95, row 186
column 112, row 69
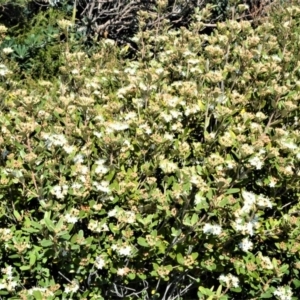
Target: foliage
column 121, row 19
column 171, row 176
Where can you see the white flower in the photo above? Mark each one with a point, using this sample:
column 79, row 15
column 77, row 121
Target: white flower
column 283, row 293
column 60, row 191
column 12, row 284
column 263, row 201
column 71, row 219
column 97, row 134
column 83, row 170
column 7, row 50
column 100, row 262
column 175, row 114
column 101, row 169
column 71, row 288
column 78, row 159
column 103, row 186
column 112, row 213
column 245, row 245
column 3, row 70
column 288, row 144
column 104, row 227
column 114, row 247
column 118, row 126
column 130, row 217
column 247, row 228
column 266, row 262
column 168, row 166
column 212, row 229
column 76, row 186
column 249, row 197
column 234, row 281
column 199, row 199
column 230, row 280
column 272, row 182
column 55, row 139
column 169, row 136
column 125, row 250
column 131, row 115
column 256, row 162
column 166, row 117
column 122, row 271
column 224, row 278
column 230, row 164
column 69, row 149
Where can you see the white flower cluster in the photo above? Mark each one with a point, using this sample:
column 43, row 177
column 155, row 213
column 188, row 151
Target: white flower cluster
column 79, row 158
column 129, row 217
column 7, row 50
column 168, row 166
column 103, row 186
column 212, row 229
column 288, row 144
column 72, row 216
column 123, row 216
column 245, row 245
column 116, row 126
column 265, row 262
column 283, row 293
column 99, row 262
column 96, row 226
column 123, row 271
column 246, row 228
column 124, row 250
column 71, row 288
column 256, row 162
column 4, row 70
column 230, row 280
column 60, row 191
column 101, row 168
column 250, row 200
column 55, row 140
column 5, row 234
column 8, row 283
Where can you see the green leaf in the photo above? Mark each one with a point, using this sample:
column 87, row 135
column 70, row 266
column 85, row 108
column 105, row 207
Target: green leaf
column 49, row 224
column 46, row 243
column 267, row 295
column 232, row 191
column 131, row 276
column 59, row 225
column 219, row 290
column 37, row 295
column 180, row 258
column 24, row 268
column 194, row 219
column 30, row 230
column 205, row 291
column 296, row 282
column 36, row 225
column 32, row 258
column 142, row 242
column 142, row 276
column 17, row 215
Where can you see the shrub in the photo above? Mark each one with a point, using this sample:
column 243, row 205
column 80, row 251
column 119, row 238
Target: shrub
column 172, row 176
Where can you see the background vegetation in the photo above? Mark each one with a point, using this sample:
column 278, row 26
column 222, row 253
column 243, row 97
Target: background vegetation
column 154, row 158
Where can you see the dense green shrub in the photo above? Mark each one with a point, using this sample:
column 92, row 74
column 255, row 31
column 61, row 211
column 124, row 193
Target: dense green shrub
column 172, row 176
